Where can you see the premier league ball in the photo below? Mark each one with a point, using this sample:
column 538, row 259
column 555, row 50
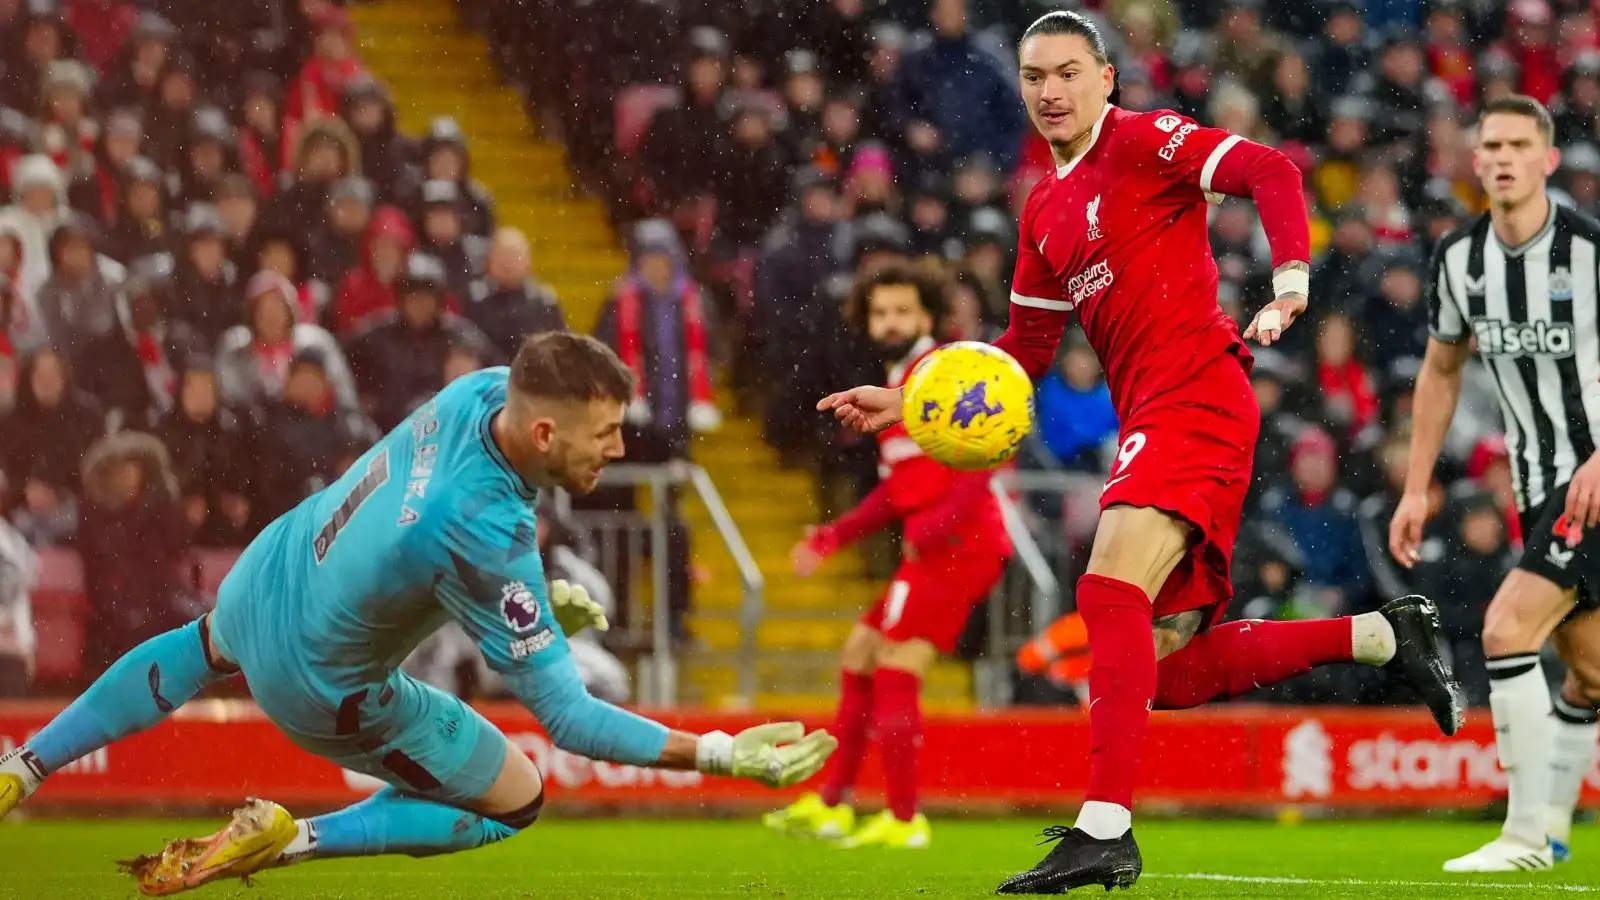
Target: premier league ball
column 968, row 405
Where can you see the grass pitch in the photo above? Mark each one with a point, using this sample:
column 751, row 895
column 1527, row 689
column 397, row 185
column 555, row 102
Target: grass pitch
column 579, row 860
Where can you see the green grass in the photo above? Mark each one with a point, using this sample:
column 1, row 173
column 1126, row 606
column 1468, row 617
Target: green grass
column 578, row 860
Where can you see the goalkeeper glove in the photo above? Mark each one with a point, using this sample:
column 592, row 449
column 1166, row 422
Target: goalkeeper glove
column 777, row 754
column 574, row 610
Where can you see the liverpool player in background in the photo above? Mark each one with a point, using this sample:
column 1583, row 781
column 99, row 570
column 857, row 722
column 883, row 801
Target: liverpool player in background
column 955, row 550
column 1120, row 235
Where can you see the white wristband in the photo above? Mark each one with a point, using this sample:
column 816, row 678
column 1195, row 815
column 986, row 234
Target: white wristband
column 713, row 754
column 1292, row 281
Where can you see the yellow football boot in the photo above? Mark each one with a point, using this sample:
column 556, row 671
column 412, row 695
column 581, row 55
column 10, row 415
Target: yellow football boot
column 884, row 830
column 811, row 817
column 253, row 840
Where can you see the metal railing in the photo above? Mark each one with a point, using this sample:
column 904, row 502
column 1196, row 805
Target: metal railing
column 620, row 553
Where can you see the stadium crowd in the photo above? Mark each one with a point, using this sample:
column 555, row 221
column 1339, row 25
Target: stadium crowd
column 795, row 144
column 222, row 272
column 223, row 269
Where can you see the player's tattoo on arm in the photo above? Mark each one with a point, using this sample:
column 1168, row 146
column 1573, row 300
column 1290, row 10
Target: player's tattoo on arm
column 1279, row 282
column 1173, row 632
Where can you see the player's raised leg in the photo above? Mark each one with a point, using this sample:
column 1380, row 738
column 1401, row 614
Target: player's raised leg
column 136, row 693
column 1522, row 615
column 897, row 689
column 827, row 813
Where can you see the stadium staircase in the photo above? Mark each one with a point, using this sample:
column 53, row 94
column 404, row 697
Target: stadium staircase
column 435, row 68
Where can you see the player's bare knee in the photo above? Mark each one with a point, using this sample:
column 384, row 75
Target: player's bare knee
column 915, row 656
column 1522, row 615
column 860, row 650
column 1138, row 545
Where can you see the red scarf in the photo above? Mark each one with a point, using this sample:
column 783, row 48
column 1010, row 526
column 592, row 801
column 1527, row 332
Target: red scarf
column 157, row 373
column 630, row 303
column 273, row 362
column 1351, row 380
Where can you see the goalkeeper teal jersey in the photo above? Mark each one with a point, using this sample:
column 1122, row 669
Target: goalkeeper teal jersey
column 430, row 524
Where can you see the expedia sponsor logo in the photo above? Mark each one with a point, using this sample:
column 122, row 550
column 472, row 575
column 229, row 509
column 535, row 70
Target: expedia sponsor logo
column 1089, row 282
column 1176, row 141
column 1497, row 337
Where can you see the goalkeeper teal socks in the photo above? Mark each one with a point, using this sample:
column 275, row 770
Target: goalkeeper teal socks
column 393, row 822
column 136, row 693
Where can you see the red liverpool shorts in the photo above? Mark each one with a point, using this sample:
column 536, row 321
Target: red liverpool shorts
column 1189, row 452
column 932, row 599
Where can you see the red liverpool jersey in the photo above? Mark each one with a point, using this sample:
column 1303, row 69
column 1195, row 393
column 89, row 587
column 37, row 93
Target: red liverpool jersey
column 1120, row 235
column 943, row 511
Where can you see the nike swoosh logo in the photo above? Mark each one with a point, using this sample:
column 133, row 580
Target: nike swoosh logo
column 1114, row 481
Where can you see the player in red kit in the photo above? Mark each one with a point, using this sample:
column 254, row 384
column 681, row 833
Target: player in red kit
column 1119, row 234
column 955, row 550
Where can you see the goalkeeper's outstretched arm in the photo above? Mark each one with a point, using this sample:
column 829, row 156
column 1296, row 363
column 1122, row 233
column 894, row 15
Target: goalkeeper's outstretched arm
column 777, row 755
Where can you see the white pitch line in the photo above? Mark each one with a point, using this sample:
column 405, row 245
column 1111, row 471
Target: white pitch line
column 1362, row 882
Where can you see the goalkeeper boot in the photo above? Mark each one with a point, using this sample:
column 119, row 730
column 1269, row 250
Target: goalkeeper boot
column 1419, row 659
column 1504, row 854
column 1078, row 860
column 252, row 841
column 811, row 817
column 884, row 830
column 20, row 775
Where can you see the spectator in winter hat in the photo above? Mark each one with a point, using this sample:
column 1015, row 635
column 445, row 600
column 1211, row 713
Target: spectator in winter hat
column 99, row 192
column 326, row 151
column 78, row 300
column 803, row 92
column 445, row 158
column 135, row 543
column 207, row 281
column 1530, row 42
column 67, row 130
column 40, row 204
column 1245, row 47
column 869, row 186
column 134, row 369
column 1338, row 173
column 143, row 223
column 831, row 148
column 442, row 236
column 1394, row 317
column 1378, row 197
column 987, row 237
column 658, row 322
column 928, row 214
column 316, row 91
column 402, row 356
column 507, row 303
column 386, row 155
column 1498, row 75
column 367, row 292
column 281, row 253
column 1074, row 407
column 681, row 138
column 1320, row 516
column 262, row 149
column 756, row 178
column 131, row 78
column 209, row 154
column 336, row 248
column 1349, row 394
column 1136, row 91
column 1191, row 57
column 253, row 359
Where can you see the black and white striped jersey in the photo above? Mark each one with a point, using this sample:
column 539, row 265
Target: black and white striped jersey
column 1534, row 311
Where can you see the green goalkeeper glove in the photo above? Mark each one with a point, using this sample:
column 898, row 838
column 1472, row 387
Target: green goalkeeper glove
column 777, row 754
column 574, row 609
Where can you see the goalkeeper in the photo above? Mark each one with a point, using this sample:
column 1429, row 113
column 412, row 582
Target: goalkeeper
column 435, row 522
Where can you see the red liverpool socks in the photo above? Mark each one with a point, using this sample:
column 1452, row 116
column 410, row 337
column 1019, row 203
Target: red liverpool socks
column 1241, row 656
column 1122, row 682
column 852, row 726
column 896, row 695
